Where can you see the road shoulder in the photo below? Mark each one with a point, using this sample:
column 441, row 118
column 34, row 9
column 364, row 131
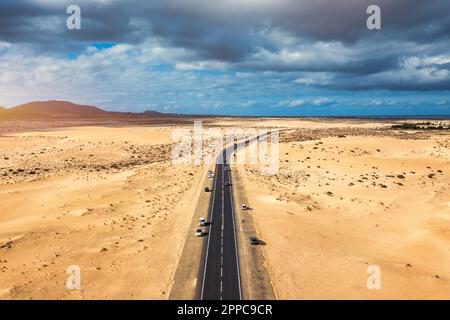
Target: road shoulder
column 188, row 269
column 255, row 280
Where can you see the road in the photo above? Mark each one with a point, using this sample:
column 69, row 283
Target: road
column 221, row 278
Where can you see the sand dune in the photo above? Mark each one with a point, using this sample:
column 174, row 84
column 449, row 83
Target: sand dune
column 349, row 194
column 340, row 204
column 111, row 203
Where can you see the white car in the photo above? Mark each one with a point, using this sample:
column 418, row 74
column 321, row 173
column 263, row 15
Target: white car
column 244, row 207
column 202, row 222
column 198, row 233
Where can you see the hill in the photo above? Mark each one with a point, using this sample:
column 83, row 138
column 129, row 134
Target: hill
column 54, row 109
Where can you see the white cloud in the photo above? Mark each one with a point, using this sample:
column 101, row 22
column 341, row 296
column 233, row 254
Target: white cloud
column 200, row 65
column 321, row 101
column 304, row 55
column 413, row 71
column 291, row 103
column 314, row 79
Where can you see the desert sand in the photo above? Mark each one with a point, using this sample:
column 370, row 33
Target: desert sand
column 349, row 194
column 347, row 197
column 108, row 200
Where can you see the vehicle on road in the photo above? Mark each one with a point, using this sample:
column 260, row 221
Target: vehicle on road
column 227, row 183
column 254, row 241
column 198, row 233
column 244, row 207
column 202, row 222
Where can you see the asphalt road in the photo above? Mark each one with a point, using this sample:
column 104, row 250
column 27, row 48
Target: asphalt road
column 221, row 278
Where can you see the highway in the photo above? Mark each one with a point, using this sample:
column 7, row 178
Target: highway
column 221, row 278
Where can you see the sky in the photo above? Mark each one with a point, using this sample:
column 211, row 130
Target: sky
column 236, row 57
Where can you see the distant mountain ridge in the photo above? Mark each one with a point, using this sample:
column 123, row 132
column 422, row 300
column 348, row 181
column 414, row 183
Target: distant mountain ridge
column 54, row 109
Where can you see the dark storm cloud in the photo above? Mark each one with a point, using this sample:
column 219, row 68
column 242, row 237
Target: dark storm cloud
column 225, row 30
column 15, row 20
column 358, row 67
column 344, row 20
column 236, row 32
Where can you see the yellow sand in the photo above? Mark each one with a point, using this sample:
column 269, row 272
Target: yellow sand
column 326, row 218
column 110, row 201
column 124, row 227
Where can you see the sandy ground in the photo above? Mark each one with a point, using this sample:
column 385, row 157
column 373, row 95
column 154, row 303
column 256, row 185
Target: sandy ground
column 341, row 204
column 294, row 123
column 108, row 200
column 349, row 194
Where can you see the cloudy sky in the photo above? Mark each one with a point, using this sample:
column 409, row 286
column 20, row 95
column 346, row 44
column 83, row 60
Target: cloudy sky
column 261, row 57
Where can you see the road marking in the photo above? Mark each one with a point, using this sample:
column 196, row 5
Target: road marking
column 224, row 156
column 209, row 235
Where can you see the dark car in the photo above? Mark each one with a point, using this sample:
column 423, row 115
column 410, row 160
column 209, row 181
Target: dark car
column 207, row 189
column 254, row 241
